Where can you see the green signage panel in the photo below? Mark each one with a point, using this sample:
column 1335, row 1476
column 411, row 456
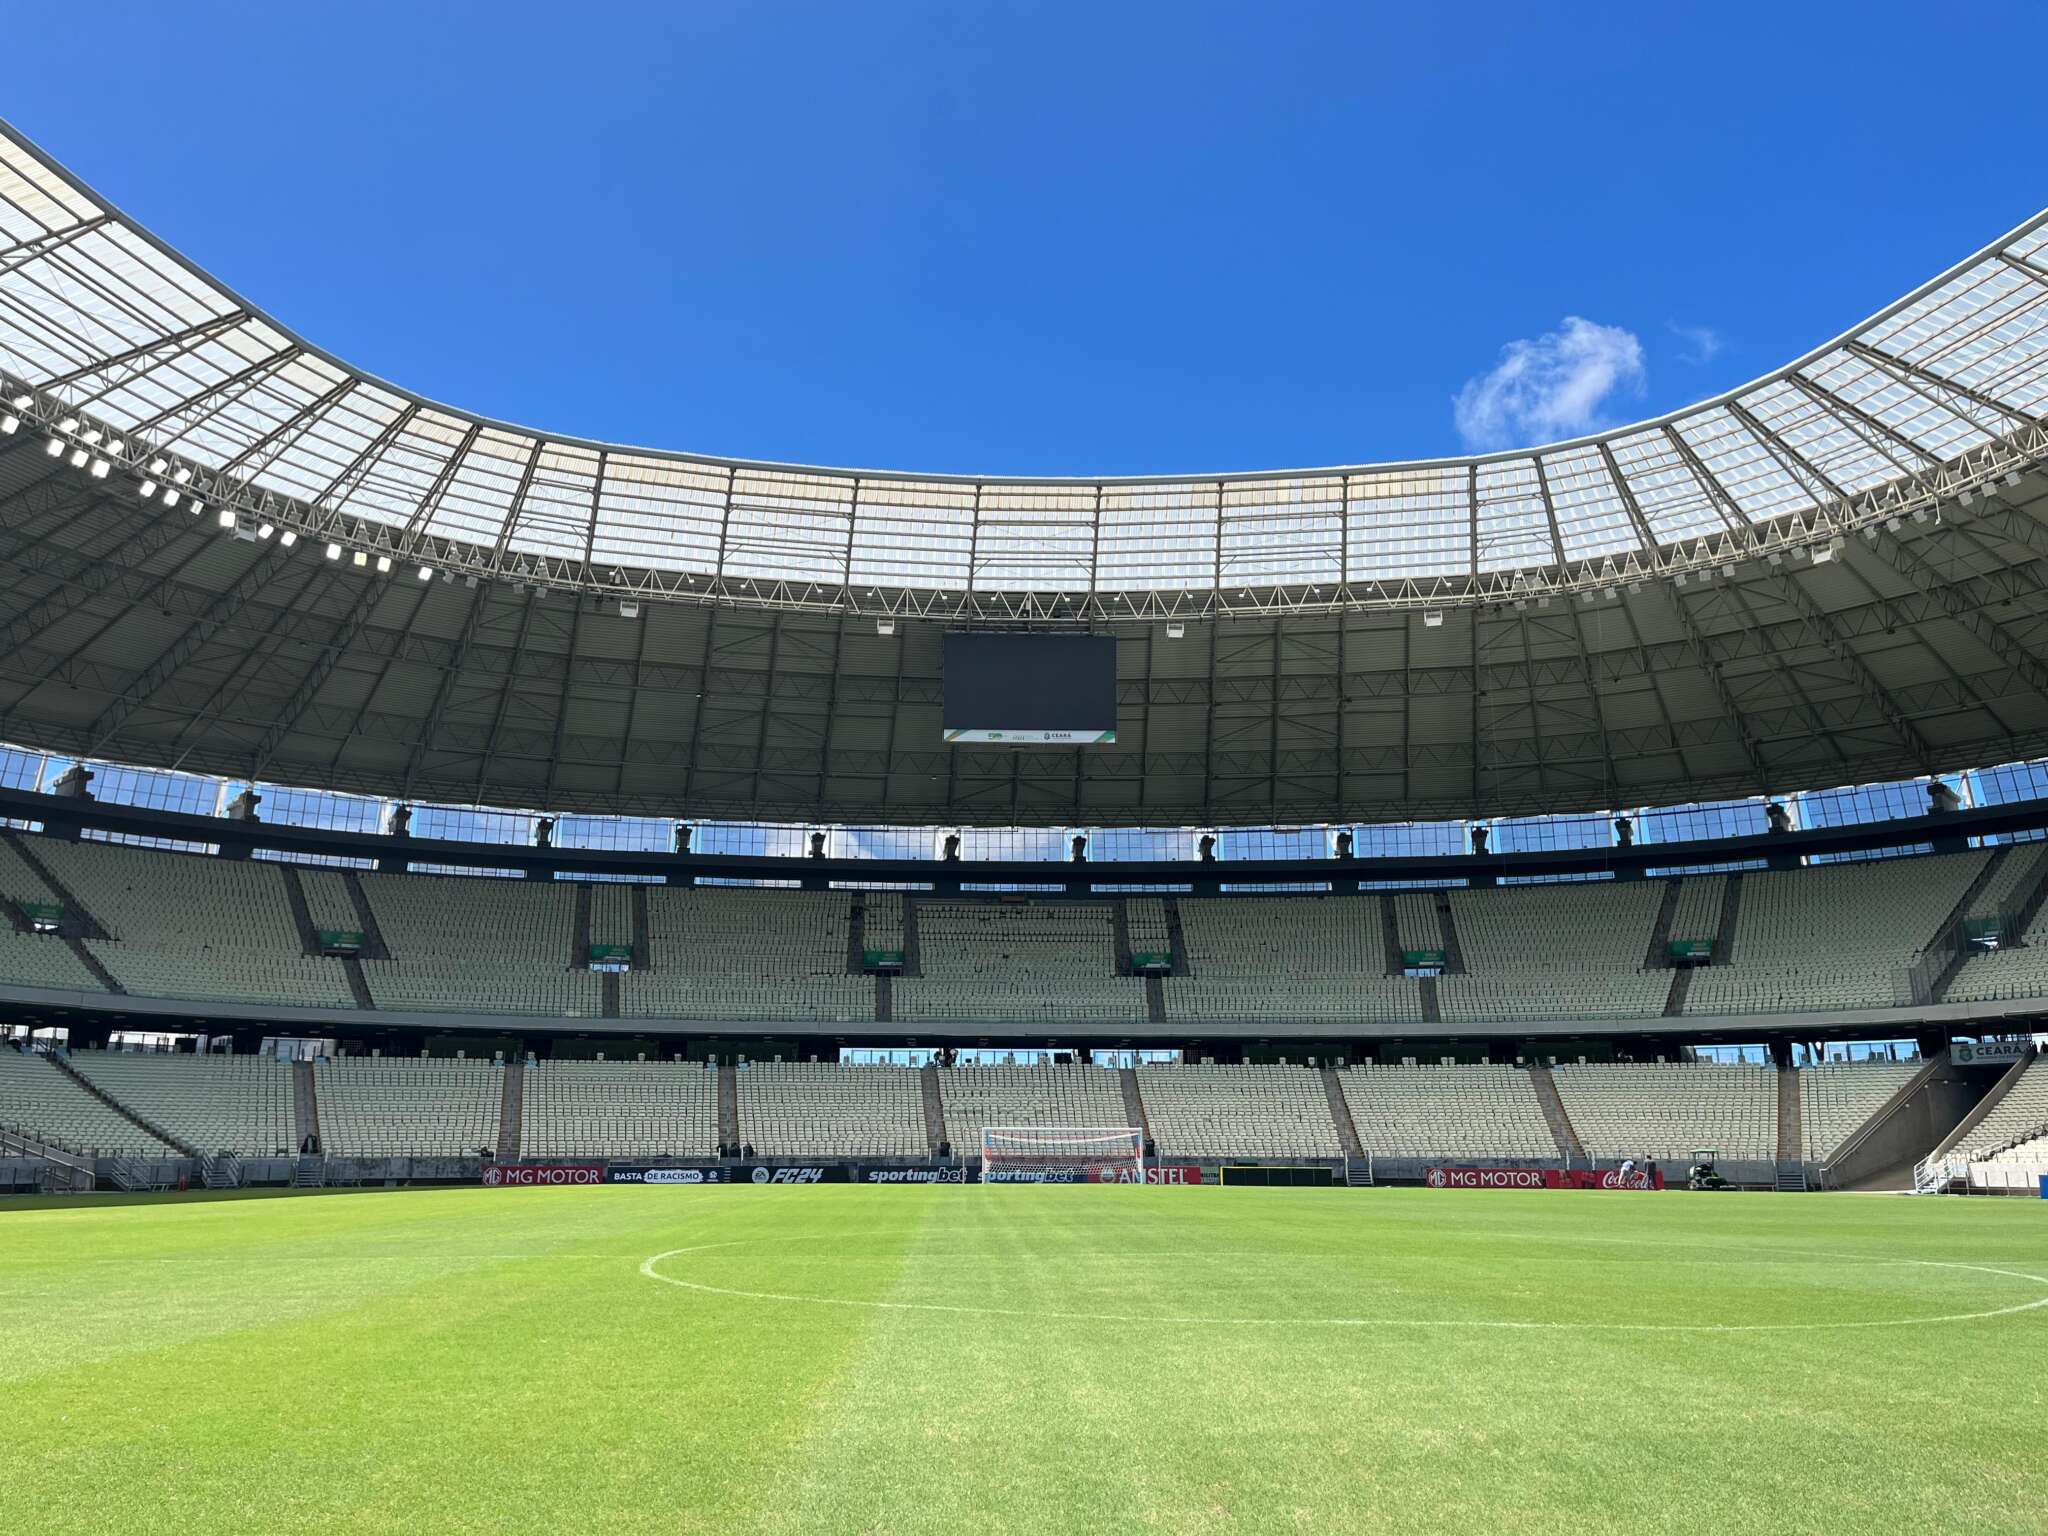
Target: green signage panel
column 610, row 952
column 1422, row 957
column 340, row 941
column 1151, row 960
column 1689, row 949
column 882, row 959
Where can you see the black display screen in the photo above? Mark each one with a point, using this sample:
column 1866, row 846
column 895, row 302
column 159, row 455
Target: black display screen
column 1030, row 690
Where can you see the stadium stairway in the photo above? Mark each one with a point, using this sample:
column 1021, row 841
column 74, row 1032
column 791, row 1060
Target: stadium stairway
column 139, row 1121
column 1155, row 999
column 358, row 982
column 728, row 1104
column 934, row 1110
column 885, row 999
column 1562, row 1131
column 608, row 990
column 1658, row 956
column 1681, row 985
column 305, row 1105
column 374, row 947
column 857, row 937
column 511, row 1101
column 1340, row 1112
column 91, row 962
column 643, row 942
column 1432, row 1006
column 2005, row 1084
column 1120, row 935
column 1791, row 1168
column 1447, row 923
column 913, row 958
column 1390, row 935
column 579, row 932
column 302, row 914
column 1178, row 939
column 1134, row 1103
column 1731, row 912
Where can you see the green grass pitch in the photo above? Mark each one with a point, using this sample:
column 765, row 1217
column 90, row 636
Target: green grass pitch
column 1023, row 1360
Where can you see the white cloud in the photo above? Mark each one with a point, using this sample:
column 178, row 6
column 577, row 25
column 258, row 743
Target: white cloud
column 1550, row 386
column 1702, row 343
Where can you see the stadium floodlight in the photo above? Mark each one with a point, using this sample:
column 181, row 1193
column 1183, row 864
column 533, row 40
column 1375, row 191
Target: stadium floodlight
column 288, row 538
column 147, row 489
column 99, row 469
column 2012, row 477
column 56, row 449
column 91, row 435
column 629, row 610
column 183, row 475
column 171, row 496
column 885, row 626
column 1062, row 1154
column 68, row 424
column 9, row 424
column 265, row 530
column 1176, row 630
column 1433, row 619
column 199, row 506
column 226, row 517
column 426, row 573
column 22, row 402
column 158, row 465
column 334, row 551
column 1823, row 553
column 359, row 558
column 383, row 565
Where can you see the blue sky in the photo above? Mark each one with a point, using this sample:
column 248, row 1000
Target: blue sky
column 1054, row 238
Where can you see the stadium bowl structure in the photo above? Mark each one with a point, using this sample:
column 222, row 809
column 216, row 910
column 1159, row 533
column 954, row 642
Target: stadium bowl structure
column 227, row 550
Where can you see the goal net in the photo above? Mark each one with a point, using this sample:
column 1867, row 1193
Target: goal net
column 1059, row 1154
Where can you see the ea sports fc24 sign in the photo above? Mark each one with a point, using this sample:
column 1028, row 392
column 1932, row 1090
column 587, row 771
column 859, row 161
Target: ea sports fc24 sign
column 1540, row 1178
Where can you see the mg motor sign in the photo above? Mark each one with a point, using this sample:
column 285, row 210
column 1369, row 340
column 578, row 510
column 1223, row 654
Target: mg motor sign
column 1179, row 1173
column 520, row 1175
column 1541, row 1178
column 1485, row 1178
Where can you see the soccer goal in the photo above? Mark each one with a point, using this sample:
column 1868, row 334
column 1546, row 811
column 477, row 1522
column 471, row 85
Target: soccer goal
column 1060, row 1154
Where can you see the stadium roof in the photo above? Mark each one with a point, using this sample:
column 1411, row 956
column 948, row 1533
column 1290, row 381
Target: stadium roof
column 1828, row 575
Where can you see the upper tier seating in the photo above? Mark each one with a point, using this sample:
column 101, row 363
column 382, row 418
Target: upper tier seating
column 974, row 1098
column 39, row 1100
column 1238, row 1111
column 2021, row 1115
column 407, row 1106
column 478, row 945
column 1837, row 1098
column 1282, row 958
column 43, row 960
column 740, row 955
column 327, row 900
column 1698, row 913
column 187, row 926
column 1536, row 952
column 2015, row 873
column 1145, row 918
column 611, row 912
column 1671, row 1111
column 810, row 1109
column 1833, row 936
column 619, row 1109
column 883, row 925
column 2015, row 970
column 1048, row 962
column 213, row 1103
column 1415, row 920
column 1470, row 1111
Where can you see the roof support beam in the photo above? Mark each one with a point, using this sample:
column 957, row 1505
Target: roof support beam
column 1906, row 372
column 1703, row 656
column 1880, row 699
column 1908, row 563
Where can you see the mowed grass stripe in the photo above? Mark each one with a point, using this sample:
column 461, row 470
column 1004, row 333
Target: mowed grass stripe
column 494, row 1360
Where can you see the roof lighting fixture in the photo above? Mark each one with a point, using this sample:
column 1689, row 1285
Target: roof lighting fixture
column 68, row 424
column 2012, row 477
column 334, row 551
column 1678, row 580
column 288, row 538
column 1433, row 619
column 100, row 468
column 198, row 506
column 92, row 436
column 78, row 458
column 1920, row 514
column 183, row 474
column 9, row 424
column 383, row 565
column 1823, row 553
column 1176, row 630
column 885, row 626
column 170, row 496
column 359, row 558
column 629, row 610
column 225, row 517
column 426, row 573
column 55, row 446
column 158, row 465
column 265, row 530
column 22, row 402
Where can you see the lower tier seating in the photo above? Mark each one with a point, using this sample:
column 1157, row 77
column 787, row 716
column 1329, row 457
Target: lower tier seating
column 619, row 1109
column 2020, row 1116
column 976, row 1097
column 37, row 1099
column 405, row 1106
column 809, row 1109
column 1837, row 1098
column 1469, row 1111
column 1671, row 1111
column 1238, row 1111
column 213, row 1103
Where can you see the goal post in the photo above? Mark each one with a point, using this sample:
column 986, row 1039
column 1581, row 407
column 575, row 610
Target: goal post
column 1059, row 1154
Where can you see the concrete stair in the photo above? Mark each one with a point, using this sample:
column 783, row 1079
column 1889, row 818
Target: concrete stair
column 728, row 1104
column 511, row 1105
column 305, row 1105
column 1340, row 1113
column 1447, row 925
column 1134, row 1101
column 1562, row 1130
column 934, row 1110
column 1390, row 935
column 1791, row 1131
column 1658, row 956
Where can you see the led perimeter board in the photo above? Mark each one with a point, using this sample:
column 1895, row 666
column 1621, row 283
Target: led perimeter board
column 1030, row 690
